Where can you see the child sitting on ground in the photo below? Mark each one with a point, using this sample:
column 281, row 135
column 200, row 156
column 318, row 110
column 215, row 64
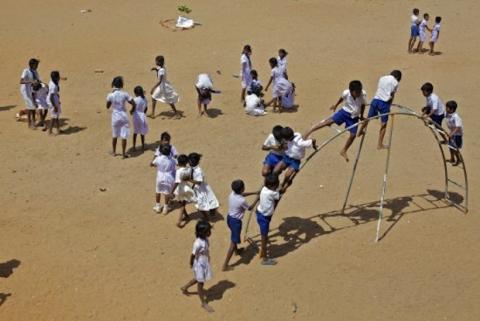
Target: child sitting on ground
column 455, row 134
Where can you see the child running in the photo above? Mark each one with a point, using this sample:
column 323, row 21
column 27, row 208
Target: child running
column 165, row 180
column 182, row 190
column 40, row 92
column 140, row 126
column 53, row 100
column 206, row 200
column 245, row 68
column 276, row 150
column 435, row 35
column 434, row 108
column 237, row 205
column 455, row 134
column 414, row 29
column 200, row 263
column 354, row 99
column 422, row 32
column 163, row 91
column 204, row 88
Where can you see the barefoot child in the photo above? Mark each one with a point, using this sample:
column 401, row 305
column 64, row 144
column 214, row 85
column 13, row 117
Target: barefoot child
column 435, row 35
column 414, row 29
column 354, row 100
column 182, row 190
column 434, row 108
column 29, row 77
column 40, row 92
column 140, row 125
column 204, row 88
column 276, row 149
column 236, row 209
column 422, row 32
column 381, row 103
column 206, row 200
column 53, row 100
column 275, row 75
column 163, row 91
column 245, row 68
column 455, row 135
column 165, row 180
column 200, row 262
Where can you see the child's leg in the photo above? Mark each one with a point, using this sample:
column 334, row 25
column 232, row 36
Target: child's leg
column 266, row 169
column 134, row 140
column 349, row 142
column 142, row 137
column 124, row 148
column 183, row 215
column 323, row 123
column 199, row 104
column 287, row 178
column 242, row 95
column 154, row 104
column 203, row 297
column 165, row 206
column 432, row 45
column 57, row 125
column 381, row 136
column 114, row 141
column 279, row 168
column 173, row 108
column 188, row 285
column 157, row 208
column 231, row 249
column 420, row 46
column 263, row 246
column 205, row 106
column 457, row 157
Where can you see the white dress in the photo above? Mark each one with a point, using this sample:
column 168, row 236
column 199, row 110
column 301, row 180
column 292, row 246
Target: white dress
column 165, row 178
column 245, row 68
column 140, row 125
column 184, row 192
column 41, row 97
column 253, row 106
column 26, row 89
column 53, row 94
column 120, row 123
column 285, row 90
column 165, row 92
column 206, row 199
column 201, row 264
column 277, row 76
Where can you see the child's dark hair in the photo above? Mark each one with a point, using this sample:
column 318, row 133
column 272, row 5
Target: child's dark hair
column 426, row 15
column 182, row 160
column 55, row 76
column 247, row 48
column 33, row 62
column 117, row 82
column 427, row 87
column 272, row 181
column 238, row 186
column 194, row 159
column 438, row 19
column 283, row 52
column 355, row 86
column 273, row 62
column 165, row 136
column 254, row 74
column 202, row 229
column 397, row 74
column 139, row 92
column 160, row 60
column 166, row 149
column 287, row 133
column 452, row 104
column 416, row 11
column 277, row 132
column 36, row 86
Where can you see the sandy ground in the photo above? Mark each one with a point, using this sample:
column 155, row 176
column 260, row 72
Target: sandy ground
column 90, row 255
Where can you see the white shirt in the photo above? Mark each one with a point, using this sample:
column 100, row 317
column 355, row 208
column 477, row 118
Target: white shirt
column 251, row 102
column 245, row 63
column 28, row 75
column 140, row 104
column 352, row 105
column 296, row 147
column 386, row 86
column 435, row 30
column 267, row 201
column 414, row 19
column 436, row 104
column 423, row 25
column 53, row 94
column 118, row 98
column 164, row 164
column 197, row 174
column 173, row 151
column 277, row 73
column 41, row 96
column 181, row 173
column 161, row 72
column 237, row 205
column 271, row 141
column 282, row 63
column 200, row 250
column 453, row 121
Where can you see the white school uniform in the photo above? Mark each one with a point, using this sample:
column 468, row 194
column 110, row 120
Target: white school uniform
column 386, row 86
column 41, row 97
column 353, row 105
column 165, row 92
column 26, row 89
column 422, row 30
column 296, row 147
column 53, row 95
column 201, row 264
column 140, row 125
column 285, row 91
column 253, row 105
column 165, row 179
column 453, row 121
column 414, row 19
column 270, row 142
column 434, row 102
column 282, row 63
column 277, row 74
column 435, row 32
column 204, row 81
column 206, row 199
column 237, row 205
column 184, row 192
column 266, row 205
column 120, row 124
column 173, row 151
column 245, row 68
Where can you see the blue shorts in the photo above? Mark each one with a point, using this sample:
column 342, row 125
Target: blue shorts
column 291, row 162
column 235, row 226
column 264, row 223
column 378, row 107
column 343, row 116
column 437, row 119
column 414, row 31
column 456, row 141
column 272, row 159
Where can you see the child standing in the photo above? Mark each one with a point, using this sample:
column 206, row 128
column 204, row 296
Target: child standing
column 276, row 74
column 204, row 88
column 354, row 99
column 245, row 68
column 28, row 78
column 276, row 148
column 435, row 34
column 206, row 199
column 236, row 209
column 422, row 32
column 282, row 61
column 140, row 125
column 163, row 91
column 414, row 29
column 455, row 135
column 165, row 180
column 434, row 107
column 40, row 92
column 182, row 190
column 53, row 100
column 200, row 262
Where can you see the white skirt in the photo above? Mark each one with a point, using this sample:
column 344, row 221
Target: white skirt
column 246, row 79
column 202, row 270
column 120, row 124
column 140, row 125
column 184, row 192
column 28, row 101
column 165, row 93
column 206, row 199
column 164, row 184
column 257, row 111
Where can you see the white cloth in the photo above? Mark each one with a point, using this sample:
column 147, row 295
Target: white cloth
column 353, row 105
column 435, row 32
column 237, row 205
column 422, row 30
column 183, row 22
column 282, row 63
column 266, row 206
column 206, row 199
column 165, row 179
column 414, row 19
column 278, row 89
column 201, row 264
column 26, row 89
column 204, row 82
column 120, row 124
column 270, row 142
column 387, row 85
column 434, row 102
column 184, row 192
column 246, row 67
column 53, row 95
column 284, row 89
column 253, row 106
column 454, row 121
column 297, row 146
column 140, row 125
column 165, row 92
column 41, row 97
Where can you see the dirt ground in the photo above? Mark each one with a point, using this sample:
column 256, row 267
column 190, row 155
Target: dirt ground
column 83, row 254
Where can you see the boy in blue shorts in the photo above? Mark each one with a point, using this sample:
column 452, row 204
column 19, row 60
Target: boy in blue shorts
column 380, row 105
column 455, row 134
column 354, row 99
column 434, row 108
column 414, row 29
column 273, row 144
column 236, row 209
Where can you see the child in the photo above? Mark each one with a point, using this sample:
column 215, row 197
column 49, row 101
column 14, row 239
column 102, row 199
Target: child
column 422, row 33
column 255, row 85
column 182, row 190
column 200, row 262
column 286, row 90
column 163, row 91
column 204, row 88
column 296, row 146
column 414, row 29
column 254, row 104
column 435, row 34
column 282, row 61
column 276, row 74
column 246, row 67
column 140, row 125
column 354, row 99
column 40, row 92
column 381, row 103
column 120, row 125
column 165, row 180
column 165, row 139
column 206, row 199
column 434, row 107
column 276, row 148
column 29, row 77
column 236, row 209
column 455, row 135
column 53, row 100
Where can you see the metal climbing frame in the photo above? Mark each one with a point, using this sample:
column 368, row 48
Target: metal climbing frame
column 439, row 135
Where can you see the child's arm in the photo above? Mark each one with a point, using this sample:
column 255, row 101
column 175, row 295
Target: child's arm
column 250, row 193
column 215, row 91
column 269, row 82
column 132, row 102
column 109, row 103
column 453, row 132
column 336, row 105
column 198, row 91
column 362, row 112
column 192, row 258
column 251, row 207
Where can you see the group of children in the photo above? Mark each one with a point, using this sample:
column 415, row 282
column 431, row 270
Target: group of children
column 419, row 28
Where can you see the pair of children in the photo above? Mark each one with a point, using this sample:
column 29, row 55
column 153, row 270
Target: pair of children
column 283, row 91
column 419, row 28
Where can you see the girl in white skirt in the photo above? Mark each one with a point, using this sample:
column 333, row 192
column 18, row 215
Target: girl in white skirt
column 120, row 125
column 163, row 91
column 165, row 180
column 29, row 77
column 183, row 192
column 40, row 91
column 140, row 125
column 200, row 262
column 275, row 76
column 206, row 199
column 246, row 67
column 53, row 100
